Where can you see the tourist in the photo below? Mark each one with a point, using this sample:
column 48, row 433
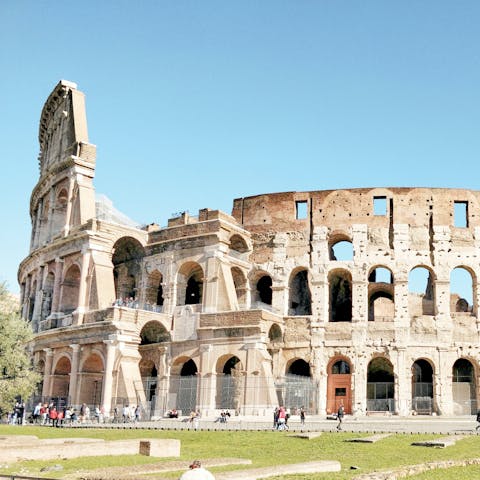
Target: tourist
column 340, row 415
column 197, row 472
column 302, row 415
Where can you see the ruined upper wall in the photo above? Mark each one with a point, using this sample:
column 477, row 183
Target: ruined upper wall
column 63, row 126
column 340, row 209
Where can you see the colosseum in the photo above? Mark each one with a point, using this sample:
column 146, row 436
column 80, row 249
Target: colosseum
column 297, row 298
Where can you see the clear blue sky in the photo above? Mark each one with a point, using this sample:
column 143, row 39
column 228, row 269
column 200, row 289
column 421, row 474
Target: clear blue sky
column 194, row 103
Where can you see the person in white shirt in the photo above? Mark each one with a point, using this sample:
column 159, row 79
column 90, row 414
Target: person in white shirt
column 197, row 472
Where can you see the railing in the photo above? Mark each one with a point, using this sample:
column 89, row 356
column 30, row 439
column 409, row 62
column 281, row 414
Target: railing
column 149, row 307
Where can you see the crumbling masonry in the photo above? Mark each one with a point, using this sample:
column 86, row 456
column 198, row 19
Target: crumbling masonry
column 297, row 298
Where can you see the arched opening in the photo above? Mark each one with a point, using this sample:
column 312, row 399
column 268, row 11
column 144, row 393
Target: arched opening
column 381, row 295
column 264, row 290
column 60, row 210
column 339, row 386
column 154, row 292
column 299, row 388
column 47, row 295
column 91, row 381
column 238, row 244
column 154, row 332
column 380, row 386
column 275, row 333
column 183, row 386
column 149, row 374
column 31, row 300
column 461, row 291
column 240, row 283
column 300, row 296
column 422, row 387
column 190, row 284
column 230, row 383
column 61, row 378
column 340, row 285
column 463, row 385
column 341, row 250
column 127, row 260
column 421, row 292
column 70, row 290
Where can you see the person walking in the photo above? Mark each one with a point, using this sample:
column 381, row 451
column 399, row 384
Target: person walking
column 302, row 415
column 340, row 415
column 478, row 421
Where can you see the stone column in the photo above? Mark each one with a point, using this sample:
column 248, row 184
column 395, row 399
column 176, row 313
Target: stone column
column 442, row 383
column 68, row 213
column 47, row 375
column 111, row 344
column 83, row 288
column 57, row 284
column 207, row 381
column 359, row 385
column 72, row 389
column 210, row 283
column 403, row 387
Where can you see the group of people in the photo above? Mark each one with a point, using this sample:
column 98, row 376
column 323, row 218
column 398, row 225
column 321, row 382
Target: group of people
column 224, row 416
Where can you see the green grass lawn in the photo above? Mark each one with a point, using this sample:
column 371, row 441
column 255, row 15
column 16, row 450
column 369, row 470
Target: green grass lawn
column 263, row 449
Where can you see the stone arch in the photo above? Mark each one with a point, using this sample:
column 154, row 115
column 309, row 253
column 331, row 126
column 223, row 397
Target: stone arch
column 339, row 384
column 299, row 367
column 421, row 291
column 275, row 333
column 380, row 385
column 70, row 289
column 462, row 289
column 238, row 244
column 154, row 332
column 381, row 294
column 183, row 385
column 91, row 379
column 61, row 377
column 422, row 386
column 47, row 295
column 300, row 302
column 127, row 257
column 340, row 288
column 31, row 300
column 60, row 210
column 464, row 387
column 190, row 280
column 262, row 293
column 340, row 246
column 299, row 389
column 240, row 283
column 149, row 374
column 154, row 291
column 230, row 382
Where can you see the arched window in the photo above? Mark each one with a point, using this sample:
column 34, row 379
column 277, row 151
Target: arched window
column 154, row 332
column 70, row 290
column 421, row 292
column 300, row 296
column 341, row 251
column 264, row 289
column 381, row 305
column 341, row 368
column 275, row 333
column 461, row 291
column 127, row 259
column 340, row 284
column 190, row 284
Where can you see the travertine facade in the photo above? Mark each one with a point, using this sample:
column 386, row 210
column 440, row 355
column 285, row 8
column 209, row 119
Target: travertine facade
column 300, row 298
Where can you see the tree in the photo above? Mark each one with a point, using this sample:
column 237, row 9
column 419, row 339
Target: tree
column 17, row 376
